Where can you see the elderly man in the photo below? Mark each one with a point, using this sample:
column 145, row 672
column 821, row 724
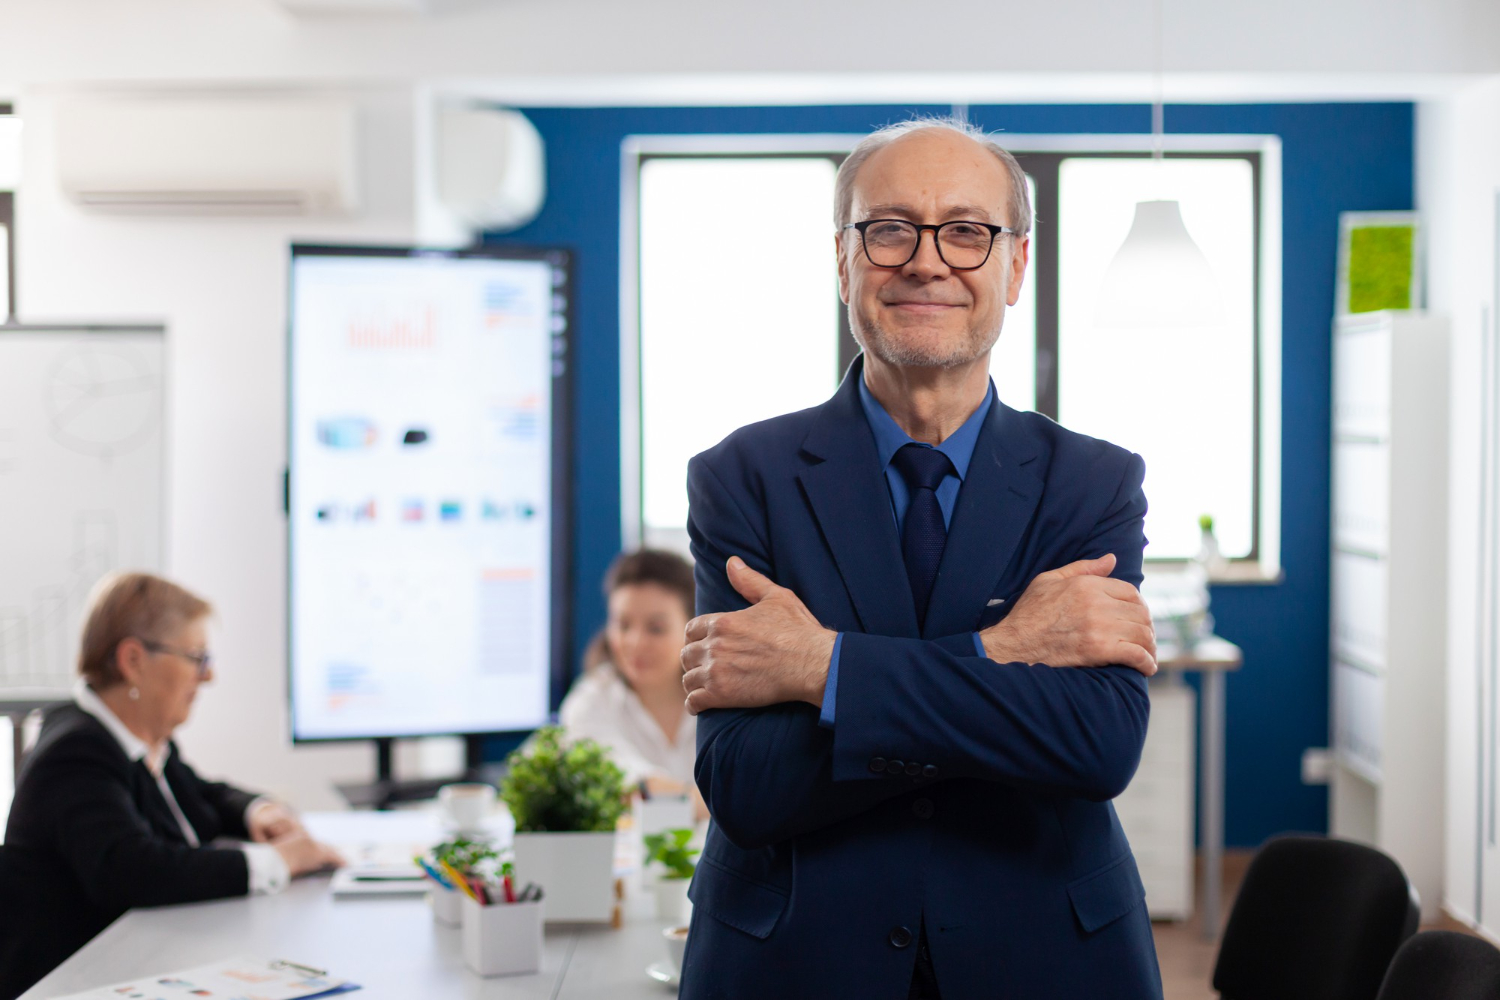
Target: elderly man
column 920, row 658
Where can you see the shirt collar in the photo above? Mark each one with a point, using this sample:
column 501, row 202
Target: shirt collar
column 135, row 748
column 890, row 438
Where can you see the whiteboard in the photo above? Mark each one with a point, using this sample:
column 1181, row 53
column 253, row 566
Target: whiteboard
column 81, row 485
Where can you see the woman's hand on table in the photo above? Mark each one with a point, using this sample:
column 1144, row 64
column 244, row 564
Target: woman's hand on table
column 271, row 820
column 303, row 855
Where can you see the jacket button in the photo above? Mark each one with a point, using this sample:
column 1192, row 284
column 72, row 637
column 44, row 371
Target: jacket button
column 922, row 808
column 900, row 937
column 913, row 769
column 930, row 771
column 877, row 764
column 895, row 767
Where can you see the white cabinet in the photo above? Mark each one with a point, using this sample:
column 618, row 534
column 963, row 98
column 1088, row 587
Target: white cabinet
column 1156, row 810
column 1387, row 625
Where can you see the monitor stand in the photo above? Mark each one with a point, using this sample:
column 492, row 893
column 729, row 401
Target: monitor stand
column 386, row 791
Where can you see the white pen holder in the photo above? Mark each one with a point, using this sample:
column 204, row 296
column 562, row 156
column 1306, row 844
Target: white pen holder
column 503, row 939
column 445, row 905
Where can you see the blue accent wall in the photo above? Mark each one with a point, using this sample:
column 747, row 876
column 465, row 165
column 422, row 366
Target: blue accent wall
column 1335, row 158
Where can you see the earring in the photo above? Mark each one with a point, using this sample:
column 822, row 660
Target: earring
column 135, row 694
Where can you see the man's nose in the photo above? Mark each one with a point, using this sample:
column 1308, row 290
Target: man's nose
column 926, row 262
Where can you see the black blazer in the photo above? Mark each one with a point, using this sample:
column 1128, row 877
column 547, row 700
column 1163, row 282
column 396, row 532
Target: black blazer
column 90, row 836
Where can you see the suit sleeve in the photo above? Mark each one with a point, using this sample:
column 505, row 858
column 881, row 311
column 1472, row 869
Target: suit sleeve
column 229, row 804
column 112, row 850
column 766, row 774
column 772, row 773
column 1077, row 732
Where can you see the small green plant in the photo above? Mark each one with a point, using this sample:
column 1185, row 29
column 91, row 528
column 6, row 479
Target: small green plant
column 467, row 856
column 672, row 850
column 553, row 786
column 1206, row 522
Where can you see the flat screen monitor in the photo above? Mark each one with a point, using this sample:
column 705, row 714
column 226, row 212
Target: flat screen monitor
column 427, row 554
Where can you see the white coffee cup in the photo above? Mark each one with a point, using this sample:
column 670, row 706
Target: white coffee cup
column 676, row 938
column 465, row 805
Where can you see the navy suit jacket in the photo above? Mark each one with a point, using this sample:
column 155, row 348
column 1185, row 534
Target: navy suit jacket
column 952, row 790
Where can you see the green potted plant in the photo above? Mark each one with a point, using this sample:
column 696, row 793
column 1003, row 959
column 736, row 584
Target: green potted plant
column 670, row 850
column 566, row 797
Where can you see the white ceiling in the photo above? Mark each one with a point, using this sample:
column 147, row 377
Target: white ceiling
column 698, row 51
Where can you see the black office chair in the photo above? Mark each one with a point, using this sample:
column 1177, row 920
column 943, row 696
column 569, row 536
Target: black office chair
column 1316, row 919
column 1442, row 965
column 35, row 934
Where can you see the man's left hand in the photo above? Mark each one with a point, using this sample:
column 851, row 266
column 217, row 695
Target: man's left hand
column 272, row 820
column 772, row 652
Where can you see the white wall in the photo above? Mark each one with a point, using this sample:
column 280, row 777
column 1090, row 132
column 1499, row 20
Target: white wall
column 220, row 287
column 1458, row 176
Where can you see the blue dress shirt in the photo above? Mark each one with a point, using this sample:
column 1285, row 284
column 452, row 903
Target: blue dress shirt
column 889, row 439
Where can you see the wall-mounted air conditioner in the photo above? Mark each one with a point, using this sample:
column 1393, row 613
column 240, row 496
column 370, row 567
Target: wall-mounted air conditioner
column 208, row 155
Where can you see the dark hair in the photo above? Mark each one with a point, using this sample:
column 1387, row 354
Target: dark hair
column 655, row 566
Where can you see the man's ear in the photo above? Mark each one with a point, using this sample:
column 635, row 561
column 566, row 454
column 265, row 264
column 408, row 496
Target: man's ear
column 1018, row 261
column 840, row 253
column 130, row 660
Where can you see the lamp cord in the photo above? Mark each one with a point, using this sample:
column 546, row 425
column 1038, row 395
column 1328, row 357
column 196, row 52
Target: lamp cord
column 1158, row 109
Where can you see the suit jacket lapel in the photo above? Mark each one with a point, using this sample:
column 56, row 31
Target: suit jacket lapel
column 995, row 504
column 852, row 505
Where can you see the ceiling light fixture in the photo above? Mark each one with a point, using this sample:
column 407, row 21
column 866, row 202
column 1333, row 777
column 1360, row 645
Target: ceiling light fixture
column 1159, row 278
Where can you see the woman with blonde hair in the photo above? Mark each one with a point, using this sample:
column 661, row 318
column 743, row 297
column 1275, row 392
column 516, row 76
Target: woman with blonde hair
column 107, row 816
column 629, row 696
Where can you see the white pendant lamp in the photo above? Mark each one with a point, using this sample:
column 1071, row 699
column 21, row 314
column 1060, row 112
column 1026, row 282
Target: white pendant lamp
column 1159, row 278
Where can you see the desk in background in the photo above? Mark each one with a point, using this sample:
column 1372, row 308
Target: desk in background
column 389, row 945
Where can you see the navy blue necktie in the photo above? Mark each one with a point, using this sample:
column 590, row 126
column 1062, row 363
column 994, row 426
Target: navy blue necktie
column 923, row 534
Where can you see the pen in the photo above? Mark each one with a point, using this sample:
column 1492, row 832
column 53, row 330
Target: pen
column 510, row 892
column 434, row 874
column 458, row 879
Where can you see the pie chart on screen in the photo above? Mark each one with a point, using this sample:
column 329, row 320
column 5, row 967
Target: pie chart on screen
column 101, row 400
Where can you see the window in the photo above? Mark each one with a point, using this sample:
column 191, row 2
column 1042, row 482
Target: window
column 1201, row 406
column 738, row 305
column 1184, row 399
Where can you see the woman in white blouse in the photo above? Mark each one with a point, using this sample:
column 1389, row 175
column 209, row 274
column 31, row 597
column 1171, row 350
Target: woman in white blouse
column 629, row 696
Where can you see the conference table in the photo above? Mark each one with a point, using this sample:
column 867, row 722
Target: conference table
column 390, row 945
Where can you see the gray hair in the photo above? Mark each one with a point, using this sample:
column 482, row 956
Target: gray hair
column 843, row 190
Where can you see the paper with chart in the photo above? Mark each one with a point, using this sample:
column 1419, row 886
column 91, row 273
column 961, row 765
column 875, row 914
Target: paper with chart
column 80, row 485
column 239, row 978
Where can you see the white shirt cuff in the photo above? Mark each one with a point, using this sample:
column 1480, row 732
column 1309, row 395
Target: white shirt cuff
column 256, row 803
column 268, row 873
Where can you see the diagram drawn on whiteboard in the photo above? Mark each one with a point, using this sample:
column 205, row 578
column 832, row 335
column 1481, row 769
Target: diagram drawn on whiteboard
column 81, row 485
column 102, row 399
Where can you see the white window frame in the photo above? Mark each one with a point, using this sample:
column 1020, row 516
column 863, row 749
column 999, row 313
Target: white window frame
column 1265, row 567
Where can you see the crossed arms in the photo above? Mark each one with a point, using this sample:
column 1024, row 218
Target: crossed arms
column 1021, row 715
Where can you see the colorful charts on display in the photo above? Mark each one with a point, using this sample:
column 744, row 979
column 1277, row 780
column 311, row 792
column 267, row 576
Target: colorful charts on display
column 423, row 444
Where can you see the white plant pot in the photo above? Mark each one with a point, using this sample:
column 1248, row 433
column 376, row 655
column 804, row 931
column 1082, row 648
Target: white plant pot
column 575, row 870
column 672, row 903
column 504, row 939
column 445, row 905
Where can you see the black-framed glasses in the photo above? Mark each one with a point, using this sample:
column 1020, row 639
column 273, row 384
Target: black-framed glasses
column 203, row 661
column 962, row 245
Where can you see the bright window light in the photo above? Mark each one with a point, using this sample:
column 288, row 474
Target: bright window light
column 739, row 307
column 1184, row 399
column 4, row 273
column 1013, row 359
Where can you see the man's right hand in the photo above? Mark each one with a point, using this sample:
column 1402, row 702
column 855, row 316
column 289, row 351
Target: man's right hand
column 303, row 855
column 1076, row 616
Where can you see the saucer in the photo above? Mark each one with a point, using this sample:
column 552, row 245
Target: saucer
column 662, row 973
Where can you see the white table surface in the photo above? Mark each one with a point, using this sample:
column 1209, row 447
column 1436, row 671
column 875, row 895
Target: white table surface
column 390, row 945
